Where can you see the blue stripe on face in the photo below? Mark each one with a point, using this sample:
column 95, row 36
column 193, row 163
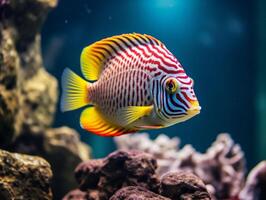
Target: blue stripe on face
column 173, row 108
column 173, row 105
column 169, row 106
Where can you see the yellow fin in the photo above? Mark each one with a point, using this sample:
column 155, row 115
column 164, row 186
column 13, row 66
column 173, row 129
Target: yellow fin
column 151, row 127
column 75, row 91
column 130, row 114
column 91, row 120
column 94, row 56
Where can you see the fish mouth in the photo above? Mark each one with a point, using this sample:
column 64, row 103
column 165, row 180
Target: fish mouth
column 194, row 108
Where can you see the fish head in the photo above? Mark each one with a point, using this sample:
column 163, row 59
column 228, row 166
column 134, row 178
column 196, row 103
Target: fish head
column 174, row 98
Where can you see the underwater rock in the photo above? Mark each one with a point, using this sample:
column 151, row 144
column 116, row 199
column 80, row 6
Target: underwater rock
column 163, row 148
column 222, row 167
column 136, row 193
column 75, row 195
column 62, row 148
column 255, row 187
column 24, row 177
column 28, row 94
column 110, row 177
column 183, row 186
column 88, row 173
column 118, row 169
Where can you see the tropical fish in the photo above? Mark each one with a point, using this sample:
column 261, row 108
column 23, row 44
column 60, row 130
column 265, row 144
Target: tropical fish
column 133, row 82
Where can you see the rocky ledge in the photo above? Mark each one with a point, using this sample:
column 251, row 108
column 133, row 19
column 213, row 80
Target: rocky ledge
column 24, row 177
column 133, row 175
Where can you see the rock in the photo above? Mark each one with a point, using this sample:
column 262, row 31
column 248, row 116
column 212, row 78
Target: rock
column 222, row 167
column 183, row 186
column 88, row 173
column 75, row 195
column 133, row 175
column 62, row 148
column 163, row 148
column 255, row 187
column 39, row 99
column 27, row 92
column 117, row 170
column 10, row 102
column 136, row 193
column 24, row 177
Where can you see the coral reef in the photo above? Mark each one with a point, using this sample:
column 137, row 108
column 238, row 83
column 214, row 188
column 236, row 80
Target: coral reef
column 109, row 177
column 28, row 94
column 255, row 187
column 24, row 177
column 222, row 167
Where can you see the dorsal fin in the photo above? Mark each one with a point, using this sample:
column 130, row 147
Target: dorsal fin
column 94, row 56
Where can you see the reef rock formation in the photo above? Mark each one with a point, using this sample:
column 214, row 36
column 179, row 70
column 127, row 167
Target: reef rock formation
column 255, row 187
column 24, row 177
column 62, row 148
column 222, row 167
column 109, row 177
column 164, row 149
column 121, row 168
column 77, row 195
column 136, row 193
column 183, row 186
column 28, row 94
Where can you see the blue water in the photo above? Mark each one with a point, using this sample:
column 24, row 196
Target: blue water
column 213, row 40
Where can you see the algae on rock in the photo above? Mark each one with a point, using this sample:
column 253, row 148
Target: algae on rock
column 31, row 181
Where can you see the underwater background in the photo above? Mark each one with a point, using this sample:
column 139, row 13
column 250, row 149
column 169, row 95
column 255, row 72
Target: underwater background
column 217, row 43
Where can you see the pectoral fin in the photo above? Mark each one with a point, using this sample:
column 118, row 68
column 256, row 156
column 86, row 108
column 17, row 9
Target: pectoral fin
column 130, row 114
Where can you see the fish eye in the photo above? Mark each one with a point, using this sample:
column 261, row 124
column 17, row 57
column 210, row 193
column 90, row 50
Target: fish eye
column 172, row 85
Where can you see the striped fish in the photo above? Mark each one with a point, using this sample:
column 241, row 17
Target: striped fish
column 133, row 82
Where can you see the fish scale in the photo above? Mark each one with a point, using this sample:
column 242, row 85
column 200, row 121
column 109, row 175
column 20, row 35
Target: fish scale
column 137, row 84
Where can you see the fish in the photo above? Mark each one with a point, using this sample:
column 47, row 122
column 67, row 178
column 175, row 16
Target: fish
column 132, row 82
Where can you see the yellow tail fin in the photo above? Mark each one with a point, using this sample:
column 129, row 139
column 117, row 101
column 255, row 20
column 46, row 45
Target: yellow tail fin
column 75, row 91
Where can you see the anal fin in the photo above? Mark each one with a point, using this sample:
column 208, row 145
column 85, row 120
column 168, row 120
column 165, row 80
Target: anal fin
column 91, row 120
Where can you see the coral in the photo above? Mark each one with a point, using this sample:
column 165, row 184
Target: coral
column 28, row 94
column 102, row 178
column 222, row 167
column 255, row 187
column 24, row 177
